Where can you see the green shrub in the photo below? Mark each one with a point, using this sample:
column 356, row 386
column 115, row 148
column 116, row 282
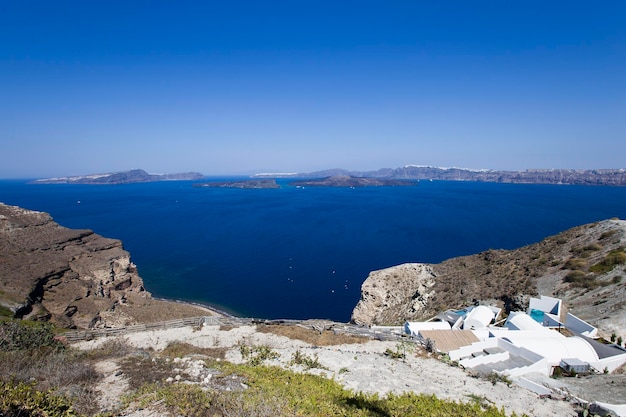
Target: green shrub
column 20, row 399
column 312, row 395
column 607, row 234
column 581, row 280
column 610, row 261
column 256, row 355
column 6, row 312
column 585, row 251
column 186, row 399
column 21, row 334
column 308, row 362
column 574, row 264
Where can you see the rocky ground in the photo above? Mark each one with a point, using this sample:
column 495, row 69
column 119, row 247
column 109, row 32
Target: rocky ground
column 359, row 366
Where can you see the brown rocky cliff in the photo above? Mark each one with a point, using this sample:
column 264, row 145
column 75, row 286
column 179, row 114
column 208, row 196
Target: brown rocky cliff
column 74, row 278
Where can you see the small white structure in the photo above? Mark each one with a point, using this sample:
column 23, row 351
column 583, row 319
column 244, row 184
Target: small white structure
column 574, row 365
column 546, row 304
column 522, row 321
column 413, row 328
column 480, row 317
column 545, row 310
column 528, row 342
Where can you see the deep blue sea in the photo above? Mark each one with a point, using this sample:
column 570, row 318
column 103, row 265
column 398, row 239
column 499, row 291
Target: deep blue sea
column 303, row 253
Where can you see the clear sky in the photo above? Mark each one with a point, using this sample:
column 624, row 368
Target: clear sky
column 234, row 87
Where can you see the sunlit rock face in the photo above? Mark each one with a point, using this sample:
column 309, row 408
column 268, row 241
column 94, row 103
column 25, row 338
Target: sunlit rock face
column 69, row 277
column 390, row 295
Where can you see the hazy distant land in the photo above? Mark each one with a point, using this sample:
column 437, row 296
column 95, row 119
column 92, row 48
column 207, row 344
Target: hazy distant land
column 261, row 183
column 124, row 177
column 382, row 177
column 616, row 177
column 350, row 181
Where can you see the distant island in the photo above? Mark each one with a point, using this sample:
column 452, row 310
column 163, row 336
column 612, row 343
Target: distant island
column 403, row 176
column 256, row 184
column 350, row 181
column 125, row 177
column 614, row 177
column 332, row 181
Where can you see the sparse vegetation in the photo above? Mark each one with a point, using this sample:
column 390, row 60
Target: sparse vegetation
column 494, row 378
column 180, row 349
column 24, row 335
column 586, row 251
column 256, row 355
column 306, row 361
column 582, row 280
column 5, row 312
column 607, row 234
column 21, row 399
column 32, row 361
column 313, row 337
column 575, row 264
column 402, row 349
column 610, row 261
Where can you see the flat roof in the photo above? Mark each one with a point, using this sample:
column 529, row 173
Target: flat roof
column 447, row 340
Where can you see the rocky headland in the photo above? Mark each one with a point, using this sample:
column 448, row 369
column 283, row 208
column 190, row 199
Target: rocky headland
column 72, row 278
column 125, row 177
column 584, row 266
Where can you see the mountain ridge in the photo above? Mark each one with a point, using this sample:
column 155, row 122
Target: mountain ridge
column 613, row 177
column 122, row 177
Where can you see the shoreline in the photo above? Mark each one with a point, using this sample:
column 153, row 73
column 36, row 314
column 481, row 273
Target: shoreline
column 208, row 308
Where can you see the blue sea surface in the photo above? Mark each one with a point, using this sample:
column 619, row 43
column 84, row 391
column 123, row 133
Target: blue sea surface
column 304, row 252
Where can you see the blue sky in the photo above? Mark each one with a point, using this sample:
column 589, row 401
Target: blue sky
column 241, row 87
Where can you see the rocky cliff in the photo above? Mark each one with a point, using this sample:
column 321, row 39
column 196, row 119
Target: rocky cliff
column 585, row 266
column 74, row 278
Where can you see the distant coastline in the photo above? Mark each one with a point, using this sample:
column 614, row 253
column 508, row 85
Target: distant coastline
column 211, row 309
column 612, row 177
column 387, row 176
column 349, row 181
column 125, row 177
column 256, row 184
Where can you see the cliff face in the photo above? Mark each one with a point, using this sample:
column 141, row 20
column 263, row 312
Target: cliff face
column 74, row 278
column 393, row 292
column 584, row 266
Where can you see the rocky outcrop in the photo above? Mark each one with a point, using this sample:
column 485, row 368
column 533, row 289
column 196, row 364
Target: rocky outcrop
column 585, row 266
column 74, row 278
column 393, row 292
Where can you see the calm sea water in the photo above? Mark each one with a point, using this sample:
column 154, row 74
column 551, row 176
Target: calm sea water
column 302, row 253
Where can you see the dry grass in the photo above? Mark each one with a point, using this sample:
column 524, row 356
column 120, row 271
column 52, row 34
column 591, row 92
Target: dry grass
column 149, row 310
column 67, row 372
column 112, row 348
column 180, row 349
column 141, row 371
column 313, row 337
